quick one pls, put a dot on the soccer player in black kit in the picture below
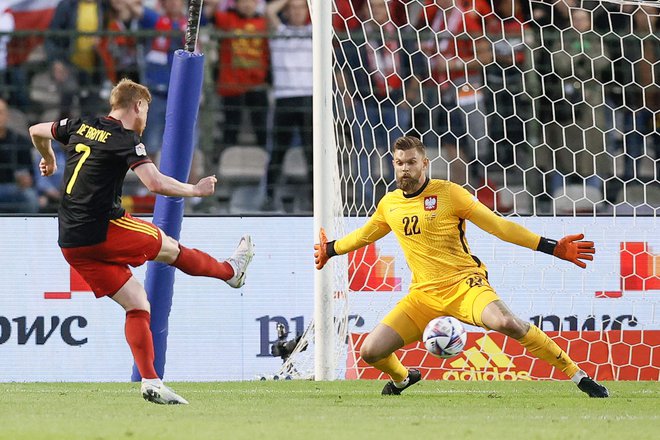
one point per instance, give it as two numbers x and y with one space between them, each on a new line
100 240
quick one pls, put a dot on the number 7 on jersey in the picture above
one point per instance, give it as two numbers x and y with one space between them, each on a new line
86 151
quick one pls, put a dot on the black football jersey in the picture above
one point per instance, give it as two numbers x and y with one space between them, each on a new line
99 153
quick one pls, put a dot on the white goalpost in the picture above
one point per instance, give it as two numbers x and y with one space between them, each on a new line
326 198
547 111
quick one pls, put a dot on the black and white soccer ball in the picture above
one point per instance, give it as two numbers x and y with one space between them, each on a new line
444 337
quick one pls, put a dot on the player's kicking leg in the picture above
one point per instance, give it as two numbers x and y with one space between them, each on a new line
198 263
154 390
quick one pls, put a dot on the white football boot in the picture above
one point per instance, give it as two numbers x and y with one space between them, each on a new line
154 390
240 260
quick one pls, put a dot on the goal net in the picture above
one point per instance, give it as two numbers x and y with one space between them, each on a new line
548 112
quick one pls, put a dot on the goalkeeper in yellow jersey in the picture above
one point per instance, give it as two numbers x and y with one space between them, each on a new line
428 218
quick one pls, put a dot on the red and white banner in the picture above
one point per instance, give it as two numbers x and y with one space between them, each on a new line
28 15
32 14
609 355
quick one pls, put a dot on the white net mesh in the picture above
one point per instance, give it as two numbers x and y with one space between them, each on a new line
541 108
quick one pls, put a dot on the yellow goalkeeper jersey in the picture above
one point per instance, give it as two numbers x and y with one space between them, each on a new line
430 227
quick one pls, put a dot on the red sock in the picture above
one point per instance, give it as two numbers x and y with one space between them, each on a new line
138 336
198 263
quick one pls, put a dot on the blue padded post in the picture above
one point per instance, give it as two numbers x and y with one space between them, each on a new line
176 157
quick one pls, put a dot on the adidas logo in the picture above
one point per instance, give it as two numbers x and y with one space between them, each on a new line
485 363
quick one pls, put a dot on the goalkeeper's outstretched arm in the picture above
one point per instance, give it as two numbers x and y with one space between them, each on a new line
370 232
569 248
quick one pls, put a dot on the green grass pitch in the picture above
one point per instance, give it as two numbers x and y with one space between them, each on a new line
331 410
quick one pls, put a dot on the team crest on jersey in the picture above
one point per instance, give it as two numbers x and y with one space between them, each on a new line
140 149
430 203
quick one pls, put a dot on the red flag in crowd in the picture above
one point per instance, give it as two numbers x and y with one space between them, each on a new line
28 15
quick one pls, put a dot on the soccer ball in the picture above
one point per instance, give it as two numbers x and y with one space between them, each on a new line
444 337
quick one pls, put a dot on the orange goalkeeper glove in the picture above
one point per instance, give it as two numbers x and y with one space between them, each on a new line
323 250
569 248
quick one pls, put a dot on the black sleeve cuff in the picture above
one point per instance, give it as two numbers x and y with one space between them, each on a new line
547 246
330 248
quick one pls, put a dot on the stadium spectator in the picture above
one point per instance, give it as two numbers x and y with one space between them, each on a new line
509 107
577 139
378 64
76 68
651 71
242 71
122 53
17 192
350 14
423 213
21 16
100 240
345 19
455 160
226 5
449 66
291 55
546 90
159 59
6 25
643 142
629 95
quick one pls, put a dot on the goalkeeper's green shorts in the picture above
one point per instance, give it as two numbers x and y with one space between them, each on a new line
465 301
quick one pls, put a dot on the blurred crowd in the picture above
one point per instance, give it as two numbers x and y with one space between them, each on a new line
511 96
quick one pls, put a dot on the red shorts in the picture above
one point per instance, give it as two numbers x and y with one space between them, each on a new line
104 266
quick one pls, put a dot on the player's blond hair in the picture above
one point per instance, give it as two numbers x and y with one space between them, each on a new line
408 143
127 93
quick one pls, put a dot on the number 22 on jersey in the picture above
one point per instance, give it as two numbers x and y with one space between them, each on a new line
86 151
411 225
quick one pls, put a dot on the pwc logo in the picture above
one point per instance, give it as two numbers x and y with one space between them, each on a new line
485 363
639 269
76 284
40 330
368 271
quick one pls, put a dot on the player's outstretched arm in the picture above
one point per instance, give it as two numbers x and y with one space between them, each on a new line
570 248
159 183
